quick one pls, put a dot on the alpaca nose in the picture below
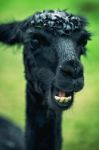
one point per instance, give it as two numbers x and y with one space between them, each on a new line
72 68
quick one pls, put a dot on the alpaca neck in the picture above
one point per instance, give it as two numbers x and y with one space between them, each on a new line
42 128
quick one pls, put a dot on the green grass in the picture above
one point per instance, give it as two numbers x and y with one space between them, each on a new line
80 123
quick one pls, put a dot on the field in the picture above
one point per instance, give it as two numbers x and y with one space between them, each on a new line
80 123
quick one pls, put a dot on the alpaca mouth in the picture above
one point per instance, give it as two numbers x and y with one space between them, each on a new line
63 99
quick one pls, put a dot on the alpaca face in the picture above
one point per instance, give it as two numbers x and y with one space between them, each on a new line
56 59
53 44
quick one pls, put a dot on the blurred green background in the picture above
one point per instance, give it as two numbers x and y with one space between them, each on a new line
80 123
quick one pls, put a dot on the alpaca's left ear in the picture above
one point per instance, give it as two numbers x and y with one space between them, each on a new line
11 33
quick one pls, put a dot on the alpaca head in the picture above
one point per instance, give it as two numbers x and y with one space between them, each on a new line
54 42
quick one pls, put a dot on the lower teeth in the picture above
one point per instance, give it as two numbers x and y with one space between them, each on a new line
62 99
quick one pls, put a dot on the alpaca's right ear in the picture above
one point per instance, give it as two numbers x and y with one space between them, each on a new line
11 33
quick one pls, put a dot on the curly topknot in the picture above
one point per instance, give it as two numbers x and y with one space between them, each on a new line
57 21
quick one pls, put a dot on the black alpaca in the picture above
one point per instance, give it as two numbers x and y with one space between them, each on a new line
54 42
11 136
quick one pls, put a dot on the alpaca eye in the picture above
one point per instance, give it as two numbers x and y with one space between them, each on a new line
83 39
35 43
82 42
40 39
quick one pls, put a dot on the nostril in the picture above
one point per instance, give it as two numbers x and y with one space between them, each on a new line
72 69
67 71
71 72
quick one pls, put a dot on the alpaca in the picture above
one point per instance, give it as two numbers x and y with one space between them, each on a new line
54 41
11 136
